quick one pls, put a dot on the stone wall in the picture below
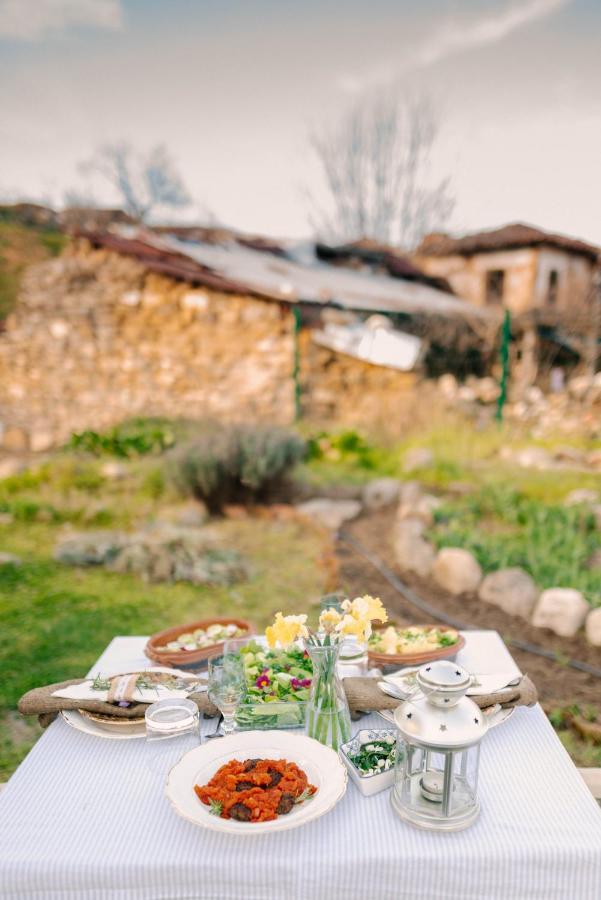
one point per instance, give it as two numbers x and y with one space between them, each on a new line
339 388
96 339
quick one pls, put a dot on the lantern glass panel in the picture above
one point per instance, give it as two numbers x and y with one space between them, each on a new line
436 788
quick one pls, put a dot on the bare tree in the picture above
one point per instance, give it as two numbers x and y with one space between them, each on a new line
376 167
144 182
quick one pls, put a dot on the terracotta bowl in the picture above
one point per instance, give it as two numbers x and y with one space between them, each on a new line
179 659
416 659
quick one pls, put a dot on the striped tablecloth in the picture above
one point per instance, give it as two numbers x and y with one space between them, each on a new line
86 819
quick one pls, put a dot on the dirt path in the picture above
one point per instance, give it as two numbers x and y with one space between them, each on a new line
558 685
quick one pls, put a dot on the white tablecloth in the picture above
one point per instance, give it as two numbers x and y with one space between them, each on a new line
86 819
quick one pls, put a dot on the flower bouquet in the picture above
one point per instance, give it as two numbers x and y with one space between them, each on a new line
328 717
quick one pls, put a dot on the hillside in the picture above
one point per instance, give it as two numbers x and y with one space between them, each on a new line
21 244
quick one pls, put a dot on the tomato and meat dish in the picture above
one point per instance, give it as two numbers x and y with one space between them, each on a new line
255 790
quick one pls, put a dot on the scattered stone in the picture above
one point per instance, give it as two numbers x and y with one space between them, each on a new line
423 508
410 493
381 492
457 570
412 551
467 394
8 559
512 590
534 395
579 386
11 466
331 514
563 610
113 470
6 518
448 386
534 458
161 553
418 458
592 627
581 497
90 548
487 390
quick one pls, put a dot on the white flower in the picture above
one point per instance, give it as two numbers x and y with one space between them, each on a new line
370 748
380 764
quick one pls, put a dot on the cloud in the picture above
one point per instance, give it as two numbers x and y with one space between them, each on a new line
454 38
33 20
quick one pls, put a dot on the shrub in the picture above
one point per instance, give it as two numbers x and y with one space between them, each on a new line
236 464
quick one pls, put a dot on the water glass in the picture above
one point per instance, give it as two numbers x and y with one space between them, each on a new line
226 688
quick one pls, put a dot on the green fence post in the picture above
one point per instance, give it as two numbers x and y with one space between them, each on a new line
504 354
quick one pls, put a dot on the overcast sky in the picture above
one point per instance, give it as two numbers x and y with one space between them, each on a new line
234 86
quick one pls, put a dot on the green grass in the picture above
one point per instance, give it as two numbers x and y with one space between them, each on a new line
462 454
56 620
503 527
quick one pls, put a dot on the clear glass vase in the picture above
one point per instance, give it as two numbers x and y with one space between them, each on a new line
328 716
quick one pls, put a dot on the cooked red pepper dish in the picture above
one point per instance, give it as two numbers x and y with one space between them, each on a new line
255 790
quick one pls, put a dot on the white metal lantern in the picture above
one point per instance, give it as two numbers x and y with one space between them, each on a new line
436 776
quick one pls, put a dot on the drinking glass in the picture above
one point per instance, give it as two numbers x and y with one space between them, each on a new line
226 688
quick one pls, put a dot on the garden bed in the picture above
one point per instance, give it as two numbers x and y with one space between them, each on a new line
557 684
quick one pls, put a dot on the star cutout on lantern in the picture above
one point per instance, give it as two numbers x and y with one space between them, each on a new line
409 715
458 673
477 721
443 727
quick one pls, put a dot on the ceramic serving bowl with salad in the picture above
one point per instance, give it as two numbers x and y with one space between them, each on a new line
370 758
188 645
401 645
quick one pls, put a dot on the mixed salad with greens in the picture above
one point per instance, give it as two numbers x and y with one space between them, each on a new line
278 684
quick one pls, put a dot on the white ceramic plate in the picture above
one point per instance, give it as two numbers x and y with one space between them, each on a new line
321 764
73 718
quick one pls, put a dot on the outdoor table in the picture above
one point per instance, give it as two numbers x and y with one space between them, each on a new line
87 819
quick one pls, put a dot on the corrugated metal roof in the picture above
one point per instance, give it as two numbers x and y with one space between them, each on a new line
235 268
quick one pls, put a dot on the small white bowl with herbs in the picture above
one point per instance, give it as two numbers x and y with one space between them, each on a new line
370 758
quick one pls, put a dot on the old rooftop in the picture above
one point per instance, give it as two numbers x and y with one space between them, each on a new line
509 237
291 273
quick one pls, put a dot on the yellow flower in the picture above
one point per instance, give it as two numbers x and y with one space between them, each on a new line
366 607
286 629
352 625
375 611
329 619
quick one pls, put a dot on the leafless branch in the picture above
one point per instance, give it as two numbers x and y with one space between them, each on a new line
375 165
144 182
